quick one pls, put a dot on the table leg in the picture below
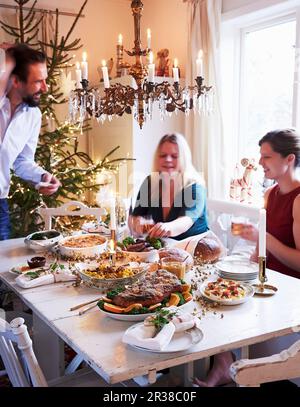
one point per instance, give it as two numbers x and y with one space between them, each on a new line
188 374
49 349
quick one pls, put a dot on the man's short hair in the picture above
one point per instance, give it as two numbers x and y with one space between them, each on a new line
25 56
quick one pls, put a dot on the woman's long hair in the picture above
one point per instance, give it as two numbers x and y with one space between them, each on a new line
189 173
186 176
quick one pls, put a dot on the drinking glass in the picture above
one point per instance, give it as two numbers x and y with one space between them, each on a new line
173 266
237 225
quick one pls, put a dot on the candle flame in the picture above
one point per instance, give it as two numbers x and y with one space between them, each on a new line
120 39
148 33
84 56
200 54
175 63
103 62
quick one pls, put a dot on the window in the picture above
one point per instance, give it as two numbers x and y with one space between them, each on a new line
260 72
267 81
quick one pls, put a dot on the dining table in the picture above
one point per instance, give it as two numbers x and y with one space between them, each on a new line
97 338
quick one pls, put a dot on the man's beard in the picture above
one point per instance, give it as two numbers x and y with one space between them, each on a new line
31 101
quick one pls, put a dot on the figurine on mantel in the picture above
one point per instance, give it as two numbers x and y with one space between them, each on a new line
162 68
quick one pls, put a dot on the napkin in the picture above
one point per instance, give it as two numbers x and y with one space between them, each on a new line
189 244
26 282
142 335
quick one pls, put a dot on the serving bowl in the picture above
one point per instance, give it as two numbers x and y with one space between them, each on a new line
44 240
139 269
149 257
82 246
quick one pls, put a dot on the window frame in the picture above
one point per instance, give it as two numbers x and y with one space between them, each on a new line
242 111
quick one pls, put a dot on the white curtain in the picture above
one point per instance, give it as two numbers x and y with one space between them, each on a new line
205 133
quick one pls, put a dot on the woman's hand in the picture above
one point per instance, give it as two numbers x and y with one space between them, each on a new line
160 230
249 232
136 224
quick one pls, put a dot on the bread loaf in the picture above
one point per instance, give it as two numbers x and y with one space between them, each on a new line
176 254
208 250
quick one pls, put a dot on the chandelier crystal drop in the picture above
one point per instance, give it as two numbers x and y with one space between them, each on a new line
117 99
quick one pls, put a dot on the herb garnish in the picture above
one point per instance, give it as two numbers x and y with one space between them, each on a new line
162 318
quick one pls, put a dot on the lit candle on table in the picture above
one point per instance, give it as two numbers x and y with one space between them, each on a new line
105 74
149 38
262 233
84 66
120 39
199 63
175 71
113 215
78 76
151 68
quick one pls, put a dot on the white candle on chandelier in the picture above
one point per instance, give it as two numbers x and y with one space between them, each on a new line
113 215
148 38
262 233
175 71
84 66
120 39
78 75
199 63
105 74
151 68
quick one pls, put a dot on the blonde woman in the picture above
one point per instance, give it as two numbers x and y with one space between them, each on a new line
173 195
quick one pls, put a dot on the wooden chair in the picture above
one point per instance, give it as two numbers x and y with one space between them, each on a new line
21 364
281 366
65 210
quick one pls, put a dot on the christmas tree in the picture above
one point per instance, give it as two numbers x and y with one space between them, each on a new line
57 149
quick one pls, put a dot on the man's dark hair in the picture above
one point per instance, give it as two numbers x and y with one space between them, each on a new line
25 56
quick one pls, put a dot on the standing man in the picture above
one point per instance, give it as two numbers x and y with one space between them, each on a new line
22 82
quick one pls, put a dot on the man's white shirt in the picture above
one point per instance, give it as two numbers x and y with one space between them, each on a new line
18 141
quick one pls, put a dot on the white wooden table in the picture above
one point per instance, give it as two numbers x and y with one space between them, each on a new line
98 338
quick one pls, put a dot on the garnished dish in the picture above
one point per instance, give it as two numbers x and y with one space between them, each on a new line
42 241
121 257
227 292
89 245
146 249
155 291
83 241
132 244
168 330
33 273
105 276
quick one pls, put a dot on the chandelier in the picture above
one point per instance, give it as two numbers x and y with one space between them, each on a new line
117 99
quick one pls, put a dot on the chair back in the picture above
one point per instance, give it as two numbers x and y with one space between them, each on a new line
220 214
22 370
65 210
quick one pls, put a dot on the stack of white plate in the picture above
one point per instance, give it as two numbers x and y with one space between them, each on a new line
237 268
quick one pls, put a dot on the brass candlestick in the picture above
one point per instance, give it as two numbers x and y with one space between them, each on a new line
112 253
120 50
262 271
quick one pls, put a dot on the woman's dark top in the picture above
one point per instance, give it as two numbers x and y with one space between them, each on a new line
280 225
190 201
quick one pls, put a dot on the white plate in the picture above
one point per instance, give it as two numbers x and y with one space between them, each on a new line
247 287
237 266
181 341
16 270
134 317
